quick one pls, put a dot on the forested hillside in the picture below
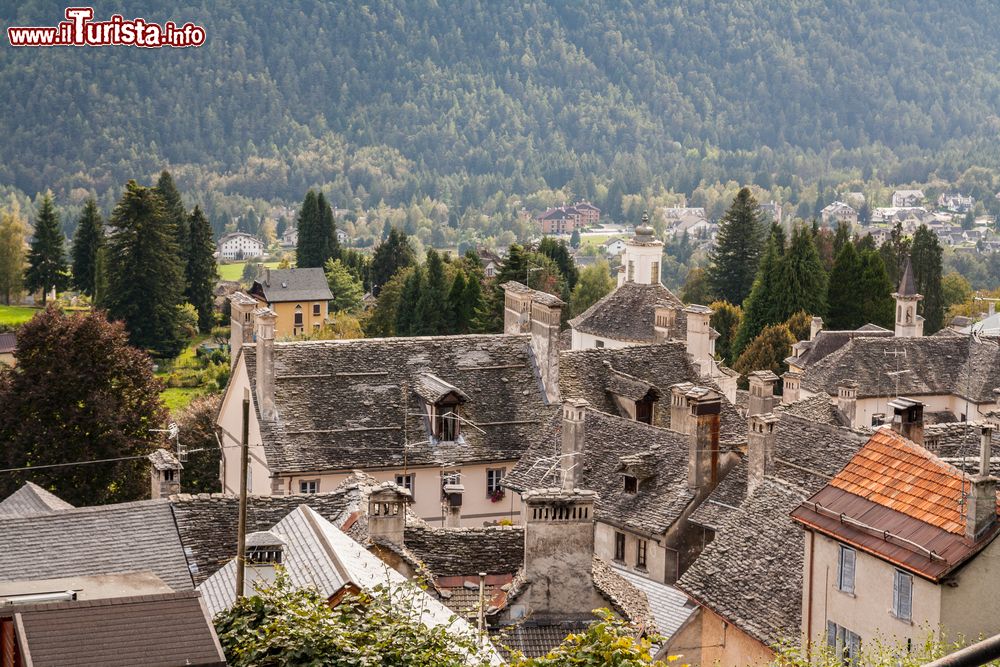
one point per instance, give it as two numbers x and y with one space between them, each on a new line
384 100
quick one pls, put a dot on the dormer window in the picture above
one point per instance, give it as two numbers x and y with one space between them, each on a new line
443 402
631 484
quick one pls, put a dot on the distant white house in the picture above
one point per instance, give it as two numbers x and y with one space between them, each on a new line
838 212
341 236
955 202
240 245
614 247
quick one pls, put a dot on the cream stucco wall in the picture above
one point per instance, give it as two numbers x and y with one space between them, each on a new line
868 611
725 645
7 359
586 341
971 607
656 552
866 407
477 507
285 324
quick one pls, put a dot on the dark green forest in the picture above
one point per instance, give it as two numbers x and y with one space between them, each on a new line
394 100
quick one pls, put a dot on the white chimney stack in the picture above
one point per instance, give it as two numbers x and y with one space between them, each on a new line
265 319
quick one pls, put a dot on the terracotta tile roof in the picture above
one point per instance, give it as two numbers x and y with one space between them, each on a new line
903 476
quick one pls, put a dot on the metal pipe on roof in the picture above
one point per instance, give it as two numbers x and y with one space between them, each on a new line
241 532
979 653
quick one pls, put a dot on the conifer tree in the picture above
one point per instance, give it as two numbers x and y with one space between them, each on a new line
310 243
894 251
761 307
459 314
734 260
558 252
327 230
393 254
201 269
145 284
175 214
47 266
878 306
926 257
802 277
432 307
845 301
473 298
86 244
406 312
489 319
841 238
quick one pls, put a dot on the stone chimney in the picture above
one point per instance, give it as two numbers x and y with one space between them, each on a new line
790 393
981 503
539 313
387 505
699 337
574 418
451 501
760 448
815 327
664 324
164 473
679 408
241 323
908 418
703 441
762 392
265 319
847 400
559 554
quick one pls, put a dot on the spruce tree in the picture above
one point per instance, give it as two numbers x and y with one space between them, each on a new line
310 243
473 298
406 311
841 237
432 307
489 319
201 270
845 301
878 305
458 313
894 251
86 244
47 266
327 230
145 285
926 257
761 307
175 214
734 260
393 254
802 278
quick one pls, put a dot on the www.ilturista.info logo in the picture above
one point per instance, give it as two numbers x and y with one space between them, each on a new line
80 30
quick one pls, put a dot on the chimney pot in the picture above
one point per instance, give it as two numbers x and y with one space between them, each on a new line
815 327
703 460
760 448
573 439
908 418
265 319
791 388
847 400
980 508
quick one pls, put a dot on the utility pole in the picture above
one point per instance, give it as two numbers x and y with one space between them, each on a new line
241 534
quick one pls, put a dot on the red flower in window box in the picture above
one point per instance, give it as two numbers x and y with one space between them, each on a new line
498 494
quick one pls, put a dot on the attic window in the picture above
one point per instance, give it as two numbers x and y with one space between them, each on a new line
446 420
631 484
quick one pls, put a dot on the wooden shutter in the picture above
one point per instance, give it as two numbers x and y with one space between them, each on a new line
903 594
831 634
846 575
854 647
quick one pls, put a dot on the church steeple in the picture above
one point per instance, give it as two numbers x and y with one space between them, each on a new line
641 259
908 323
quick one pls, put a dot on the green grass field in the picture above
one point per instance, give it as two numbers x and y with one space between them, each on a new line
16 314
178 398
235 270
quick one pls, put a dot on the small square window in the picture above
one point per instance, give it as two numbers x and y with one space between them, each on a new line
310 486
620 547
168 475
631 484
598 343
406 481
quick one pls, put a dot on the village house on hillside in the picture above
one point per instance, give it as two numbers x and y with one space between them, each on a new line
905 198
566 219
839 212
299 298
240 245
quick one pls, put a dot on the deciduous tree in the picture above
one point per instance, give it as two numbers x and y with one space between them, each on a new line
593 285
79 392
767 352
726 320
12 255
346 289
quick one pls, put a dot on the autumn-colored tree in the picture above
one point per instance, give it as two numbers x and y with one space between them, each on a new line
800 324
767 352
79 392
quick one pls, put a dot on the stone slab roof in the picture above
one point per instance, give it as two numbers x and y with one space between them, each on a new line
207 523
828 341
107 539
670 607
627 313
819 409
751 574
660 500
449 552
8 343
591 375
344 404
934 366
534 640
31 499
282 285
164 629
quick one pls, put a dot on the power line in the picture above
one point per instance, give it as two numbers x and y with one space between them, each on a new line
83 463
